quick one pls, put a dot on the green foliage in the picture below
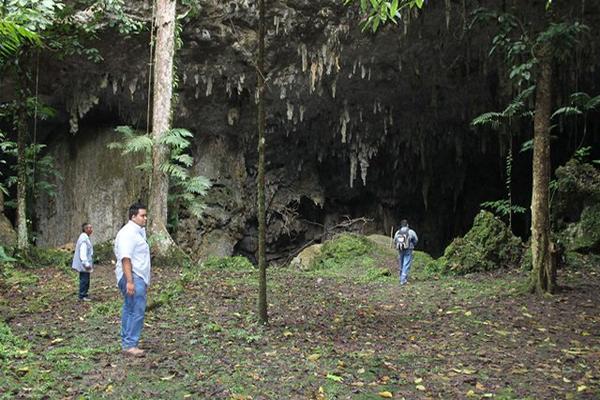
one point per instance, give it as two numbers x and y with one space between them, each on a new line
489 245
16 277
103 252
236 263
186 190
379 12
37 257
503 207
40 169
5 258
12 37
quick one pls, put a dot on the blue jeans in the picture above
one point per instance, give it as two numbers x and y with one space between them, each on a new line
84 284
405 259
134 307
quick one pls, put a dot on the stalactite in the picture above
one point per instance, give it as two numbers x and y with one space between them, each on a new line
132 87
448 14
344 120
209 85
353 167
425 183
290 111
302 109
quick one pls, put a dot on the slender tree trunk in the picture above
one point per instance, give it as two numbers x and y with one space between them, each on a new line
161 121
22 239
543 275
262 263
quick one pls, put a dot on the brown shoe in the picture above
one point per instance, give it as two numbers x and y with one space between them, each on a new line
134 352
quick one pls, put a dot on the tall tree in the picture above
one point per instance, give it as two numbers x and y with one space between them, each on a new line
21 125
544 269
161 121
262 220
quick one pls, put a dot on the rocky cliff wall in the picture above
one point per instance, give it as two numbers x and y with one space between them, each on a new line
359 125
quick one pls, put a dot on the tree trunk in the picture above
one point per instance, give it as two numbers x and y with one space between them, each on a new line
543 274
161 122
262 264
22 240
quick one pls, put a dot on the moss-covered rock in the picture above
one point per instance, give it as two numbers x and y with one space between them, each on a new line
487 246
584 236
343 251
306 257
578 187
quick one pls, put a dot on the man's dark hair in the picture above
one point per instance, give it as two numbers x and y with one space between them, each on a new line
135 208
403 223
84 225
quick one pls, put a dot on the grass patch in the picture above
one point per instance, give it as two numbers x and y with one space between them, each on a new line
237 263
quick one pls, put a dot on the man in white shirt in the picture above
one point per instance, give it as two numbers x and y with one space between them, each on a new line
133 277
83 260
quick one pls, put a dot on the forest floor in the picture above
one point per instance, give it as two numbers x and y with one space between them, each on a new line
333 335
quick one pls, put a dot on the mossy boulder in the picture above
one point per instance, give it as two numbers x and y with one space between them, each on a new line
489 245
306 257
344 250
584 236
578 187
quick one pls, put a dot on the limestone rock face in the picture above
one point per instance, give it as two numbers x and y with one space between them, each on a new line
97 186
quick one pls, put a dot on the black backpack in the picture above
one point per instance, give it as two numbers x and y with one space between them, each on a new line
402 241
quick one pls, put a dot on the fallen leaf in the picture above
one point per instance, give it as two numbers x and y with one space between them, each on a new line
167 378
420 387
57 340
386 395
418 380
335 378
313 357
471 393
581 388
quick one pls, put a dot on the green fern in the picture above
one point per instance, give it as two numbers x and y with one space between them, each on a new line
186 191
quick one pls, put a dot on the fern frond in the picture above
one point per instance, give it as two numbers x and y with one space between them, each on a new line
593 103
184 159
176 138
489 118
526 93
198 185
174 171
567 111
579 99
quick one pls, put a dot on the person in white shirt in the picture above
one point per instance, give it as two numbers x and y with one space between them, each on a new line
133 277
83 260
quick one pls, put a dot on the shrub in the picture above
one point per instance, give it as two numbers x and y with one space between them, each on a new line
231 263
44 257
103 252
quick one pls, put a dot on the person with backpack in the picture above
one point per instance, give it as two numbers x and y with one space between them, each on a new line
405 241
